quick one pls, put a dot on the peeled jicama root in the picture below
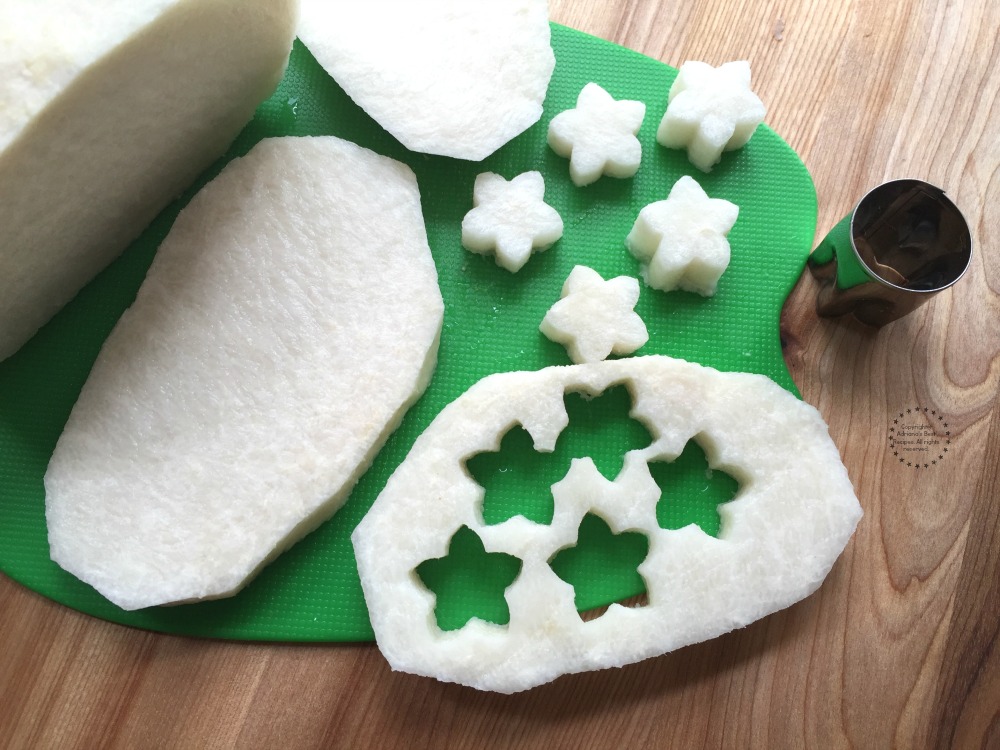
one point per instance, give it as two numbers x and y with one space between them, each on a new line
108 110
287 322
780 535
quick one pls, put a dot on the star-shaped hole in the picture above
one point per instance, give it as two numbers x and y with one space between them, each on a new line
517 479
681 241
710 110
469 582
598 136
601 559
691 491
595 318
510 219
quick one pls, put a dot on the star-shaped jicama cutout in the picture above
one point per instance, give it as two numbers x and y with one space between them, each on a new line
681 241
594 317
710 110
598 136
510 219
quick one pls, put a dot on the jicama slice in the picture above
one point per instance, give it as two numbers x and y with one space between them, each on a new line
288 320
793 514
446 77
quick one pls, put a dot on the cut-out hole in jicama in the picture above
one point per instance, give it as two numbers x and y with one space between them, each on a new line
517 479
691 491
469 582
600 556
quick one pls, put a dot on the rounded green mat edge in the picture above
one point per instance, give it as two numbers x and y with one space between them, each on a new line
312 592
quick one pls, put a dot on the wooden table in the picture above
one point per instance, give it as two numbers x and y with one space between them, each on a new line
898 648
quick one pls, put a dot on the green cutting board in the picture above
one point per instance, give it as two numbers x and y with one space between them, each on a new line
312 592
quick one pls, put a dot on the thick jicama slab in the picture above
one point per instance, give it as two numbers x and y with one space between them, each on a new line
445 77
108 110
780 535
289 319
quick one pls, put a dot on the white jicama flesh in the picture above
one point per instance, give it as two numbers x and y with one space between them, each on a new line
682 240
598 136
287 322
780 535
595 318
108 110
510 219
710 110
445 77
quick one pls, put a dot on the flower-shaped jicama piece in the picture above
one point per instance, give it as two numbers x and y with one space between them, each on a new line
510 219
682 240
710 110
598 136
594 317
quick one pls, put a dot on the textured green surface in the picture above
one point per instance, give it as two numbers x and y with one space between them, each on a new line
312 592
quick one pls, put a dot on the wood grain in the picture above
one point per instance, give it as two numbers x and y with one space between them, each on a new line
899 646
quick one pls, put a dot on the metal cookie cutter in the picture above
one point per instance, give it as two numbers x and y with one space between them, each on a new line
903 243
